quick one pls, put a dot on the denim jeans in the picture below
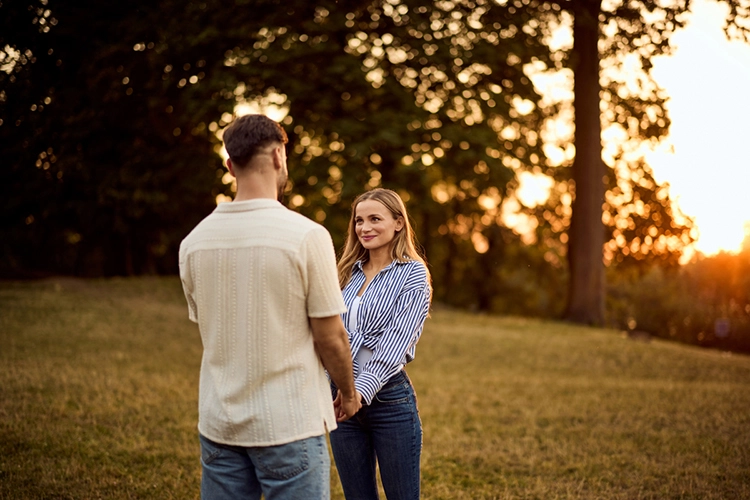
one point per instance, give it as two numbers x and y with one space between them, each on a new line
387 431
300 469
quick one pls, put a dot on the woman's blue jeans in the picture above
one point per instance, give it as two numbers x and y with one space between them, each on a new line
387 431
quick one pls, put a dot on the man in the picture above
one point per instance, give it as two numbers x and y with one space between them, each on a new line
261 283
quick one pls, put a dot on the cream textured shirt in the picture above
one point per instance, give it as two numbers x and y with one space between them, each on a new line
253 272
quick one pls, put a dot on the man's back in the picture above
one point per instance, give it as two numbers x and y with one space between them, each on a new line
253 273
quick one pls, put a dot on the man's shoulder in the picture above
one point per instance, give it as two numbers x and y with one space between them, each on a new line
300 227
280 226
195 233
297 218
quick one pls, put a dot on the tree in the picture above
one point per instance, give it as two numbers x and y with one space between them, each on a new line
643 227
608 37
107 164
111 113
586 238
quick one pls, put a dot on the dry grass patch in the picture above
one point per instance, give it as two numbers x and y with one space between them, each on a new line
516 408
98 399
98 388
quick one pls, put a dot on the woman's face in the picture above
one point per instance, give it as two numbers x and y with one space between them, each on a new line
375 225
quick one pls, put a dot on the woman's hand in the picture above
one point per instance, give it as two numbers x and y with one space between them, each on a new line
345 407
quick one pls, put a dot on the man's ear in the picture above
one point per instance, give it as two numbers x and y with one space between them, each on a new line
230 167
278 158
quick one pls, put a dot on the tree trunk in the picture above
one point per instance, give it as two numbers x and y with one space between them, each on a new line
586 288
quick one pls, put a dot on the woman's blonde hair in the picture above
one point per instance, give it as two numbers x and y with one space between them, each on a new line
403 248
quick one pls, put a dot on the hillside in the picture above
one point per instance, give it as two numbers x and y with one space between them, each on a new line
98 399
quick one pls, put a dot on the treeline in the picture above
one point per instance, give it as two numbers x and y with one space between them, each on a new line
109 114
705 302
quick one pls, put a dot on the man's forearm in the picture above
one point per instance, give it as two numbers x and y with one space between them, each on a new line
332 345
337 359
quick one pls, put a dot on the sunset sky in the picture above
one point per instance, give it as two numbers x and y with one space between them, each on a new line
708 80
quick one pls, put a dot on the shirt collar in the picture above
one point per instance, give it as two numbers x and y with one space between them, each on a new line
248 205
359 263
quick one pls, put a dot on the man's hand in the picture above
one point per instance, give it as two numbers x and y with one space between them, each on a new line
346 407
332 345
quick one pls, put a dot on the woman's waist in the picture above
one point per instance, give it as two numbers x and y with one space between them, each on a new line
399 378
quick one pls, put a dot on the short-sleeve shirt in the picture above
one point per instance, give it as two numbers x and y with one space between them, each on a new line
253 273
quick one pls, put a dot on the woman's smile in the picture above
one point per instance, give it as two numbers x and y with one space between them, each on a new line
375 225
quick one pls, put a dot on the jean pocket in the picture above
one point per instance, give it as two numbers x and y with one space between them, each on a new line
209 451
395 394
283 461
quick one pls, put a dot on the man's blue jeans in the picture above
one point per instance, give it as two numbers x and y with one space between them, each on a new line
300 469
387 431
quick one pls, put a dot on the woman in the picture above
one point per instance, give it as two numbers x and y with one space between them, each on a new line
386 287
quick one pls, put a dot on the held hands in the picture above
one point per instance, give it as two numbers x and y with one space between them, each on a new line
346 407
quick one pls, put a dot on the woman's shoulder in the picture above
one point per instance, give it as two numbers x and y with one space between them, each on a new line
415 269
407 263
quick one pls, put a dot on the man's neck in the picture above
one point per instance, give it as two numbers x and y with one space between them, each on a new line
243 196
256 186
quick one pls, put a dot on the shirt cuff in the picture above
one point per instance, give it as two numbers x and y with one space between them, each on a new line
368 385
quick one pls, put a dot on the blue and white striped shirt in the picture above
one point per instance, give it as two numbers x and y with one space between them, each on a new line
390 318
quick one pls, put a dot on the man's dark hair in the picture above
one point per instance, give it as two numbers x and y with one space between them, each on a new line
248 134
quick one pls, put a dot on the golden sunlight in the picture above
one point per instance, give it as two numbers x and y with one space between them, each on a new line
706 159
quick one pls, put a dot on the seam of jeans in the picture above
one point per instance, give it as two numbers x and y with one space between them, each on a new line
211 456
416 447
403 386
393 401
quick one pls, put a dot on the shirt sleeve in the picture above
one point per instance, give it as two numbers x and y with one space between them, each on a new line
398 340
323 293
187 287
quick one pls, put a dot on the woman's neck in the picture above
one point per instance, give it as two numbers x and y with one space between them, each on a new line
379 259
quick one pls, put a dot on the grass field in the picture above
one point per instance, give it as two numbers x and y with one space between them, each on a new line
98 399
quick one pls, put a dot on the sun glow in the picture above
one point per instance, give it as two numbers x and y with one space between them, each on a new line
706 159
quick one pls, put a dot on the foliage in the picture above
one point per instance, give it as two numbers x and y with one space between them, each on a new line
109 115
644 227
706 302
510 277
98 176
609 62
99 384
111 112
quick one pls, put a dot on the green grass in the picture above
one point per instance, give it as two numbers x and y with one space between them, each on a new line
98 399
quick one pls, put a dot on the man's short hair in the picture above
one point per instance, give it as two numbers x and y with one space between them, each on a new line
248 135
